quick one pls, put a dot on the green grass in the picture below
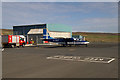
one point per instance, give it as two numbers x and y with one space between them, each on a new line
6 31
99 37
92 37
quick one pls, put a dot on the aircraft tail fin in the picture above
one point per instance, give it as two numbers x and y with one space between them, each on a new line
46 34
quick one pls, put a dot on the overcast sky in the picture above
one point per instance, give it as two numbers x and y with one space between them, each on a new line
81 16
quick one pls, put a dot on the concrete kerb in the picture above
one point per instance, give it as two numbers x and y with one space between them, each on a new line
39 45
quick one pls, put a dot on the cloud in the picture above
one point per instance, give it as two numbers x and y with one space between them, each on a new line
60 0
99 25
65 6
82 16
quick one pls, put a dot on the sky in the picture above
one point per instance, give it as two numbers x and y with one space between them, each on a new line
60 0
81 16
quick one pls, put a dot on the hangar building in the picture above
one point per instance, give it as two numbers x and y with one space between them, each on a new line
35 31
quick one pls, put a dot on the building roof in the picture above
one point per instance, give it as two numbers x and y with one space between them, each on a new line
51 27
28 25
59 27
35 31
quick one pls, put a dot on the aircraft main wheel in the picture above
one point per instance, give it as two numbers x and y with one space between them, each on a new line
86 45
63 45
69 45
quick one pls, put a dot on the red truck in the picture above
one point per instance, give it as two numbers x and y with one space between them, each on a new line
12 41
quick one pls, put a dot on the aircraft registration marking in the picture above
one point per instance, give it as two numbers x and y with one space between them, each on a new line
83 58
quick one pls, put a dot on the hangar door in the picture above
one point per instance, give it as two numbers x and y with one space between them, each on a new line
36 38
60 34
35 35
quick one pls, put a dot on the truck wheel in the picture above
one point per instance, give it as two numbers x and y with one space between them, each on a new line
23 45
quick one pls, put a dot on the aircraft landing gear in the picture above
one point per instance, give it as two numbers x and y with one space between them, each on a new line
86 45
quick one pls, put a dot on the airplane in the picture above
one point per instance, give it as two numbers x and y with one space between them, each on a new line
63 41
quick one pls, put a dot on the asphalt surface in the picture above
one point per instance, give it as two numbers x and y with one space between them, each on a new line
31 62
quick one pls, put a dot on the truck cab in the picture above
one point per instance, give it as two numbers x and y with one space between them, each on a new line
22 41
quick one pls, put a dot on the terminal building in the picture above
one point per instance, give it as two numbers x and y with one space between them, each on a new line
34 32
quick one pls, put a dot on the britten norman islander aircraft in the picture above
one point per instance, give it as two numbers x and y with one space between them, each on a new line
63 41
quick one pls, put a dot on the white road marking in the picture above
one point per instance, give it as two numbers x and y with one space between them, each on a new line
83 58
2 49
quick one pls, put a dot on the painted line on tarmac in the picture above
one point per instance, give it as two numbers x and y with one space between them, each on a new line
83 59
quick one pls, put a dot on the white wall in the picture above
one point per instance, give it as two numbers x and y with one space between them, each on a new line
60 34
